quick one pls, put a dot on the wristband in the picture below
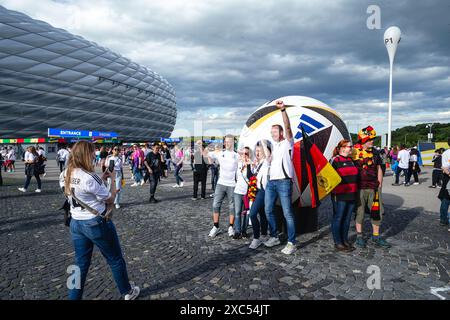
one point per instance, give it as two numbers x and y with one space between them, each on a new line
283 110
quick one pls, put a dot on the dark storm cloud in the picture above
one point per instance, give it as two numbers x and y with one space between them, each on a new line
235 55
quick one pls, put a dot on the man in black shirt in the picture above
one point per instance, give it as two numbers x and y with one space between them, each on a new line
153 162
200 169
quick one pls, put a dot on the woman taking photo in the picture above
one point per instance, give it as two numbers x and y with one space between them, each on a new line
344 195
88 195
118 172
31 158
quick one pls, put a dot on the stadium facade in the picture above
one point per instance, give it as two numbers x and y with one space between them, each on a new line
53 79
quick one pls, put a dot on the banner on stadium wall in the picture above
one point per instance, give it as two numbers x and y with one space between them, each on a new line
171 140
69 133
24 140
427 150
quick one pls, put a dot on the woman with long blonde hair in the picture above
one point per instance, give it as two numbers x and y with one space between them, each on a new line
88 195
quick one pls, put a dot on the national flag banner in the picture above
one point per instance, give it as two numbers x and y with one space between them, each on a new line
314 168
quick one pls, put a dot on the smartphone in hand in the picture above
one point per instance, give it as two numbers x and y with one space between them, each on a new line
111 166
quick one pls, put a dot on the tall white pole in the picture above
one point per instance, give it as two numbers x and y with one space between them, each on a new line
392 38
389 139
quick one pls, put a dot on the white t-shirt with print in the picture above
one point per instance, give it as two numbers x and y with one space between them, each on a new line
90 189
261 177
281 166
228 161
241 177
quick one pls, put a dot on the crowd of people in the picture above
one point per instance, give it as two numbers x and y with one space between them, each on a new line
251 180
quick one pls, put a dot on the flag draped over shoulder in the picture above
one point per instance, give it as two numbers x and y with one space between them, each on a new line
312 167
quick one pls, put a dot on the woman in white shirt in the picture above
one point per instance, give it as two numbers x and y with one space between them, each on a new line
118 171
243 174
88 195
31 170
260 169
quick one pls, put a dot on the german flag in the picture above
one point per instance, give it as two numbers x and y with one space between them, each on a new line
315 169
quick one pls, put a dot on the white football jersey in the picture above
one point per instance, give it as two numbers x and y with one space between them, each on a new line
90 189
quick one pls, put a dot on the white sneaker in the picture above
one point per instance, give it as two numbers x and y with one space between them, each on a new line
214 232
255 244
117 206
22 189
272 242
142 182
289 249
211 195
181 184
133 294
38 190
175 186
230 231
134 185
416 183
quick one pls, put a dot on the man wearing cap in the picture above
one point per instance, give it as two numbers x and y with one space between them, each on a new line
368 161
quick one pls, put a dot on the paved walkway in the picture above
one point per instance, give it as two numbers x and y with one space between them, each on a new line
171 257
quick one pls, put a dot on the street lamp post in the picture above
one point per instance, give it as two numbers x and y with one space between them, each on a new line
405 138
392 38
430 125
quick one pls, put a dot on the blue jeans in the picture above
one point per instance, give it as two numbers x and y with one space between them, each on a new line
178 178
96 231
282 189
340 224
258 207
445 215
240 222
137 174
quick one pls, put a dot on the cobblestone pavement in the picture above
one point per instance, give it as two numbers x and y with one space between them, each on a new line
170 256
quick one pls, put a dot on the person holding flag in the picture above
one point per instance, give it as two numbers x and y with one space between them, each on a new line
368 161
280 183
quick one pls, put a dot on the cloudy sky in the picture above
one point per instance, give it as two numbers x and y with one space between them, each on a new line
225 58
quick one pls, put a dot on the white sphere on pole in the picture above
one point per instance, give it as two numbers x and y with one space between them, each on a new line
392 37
